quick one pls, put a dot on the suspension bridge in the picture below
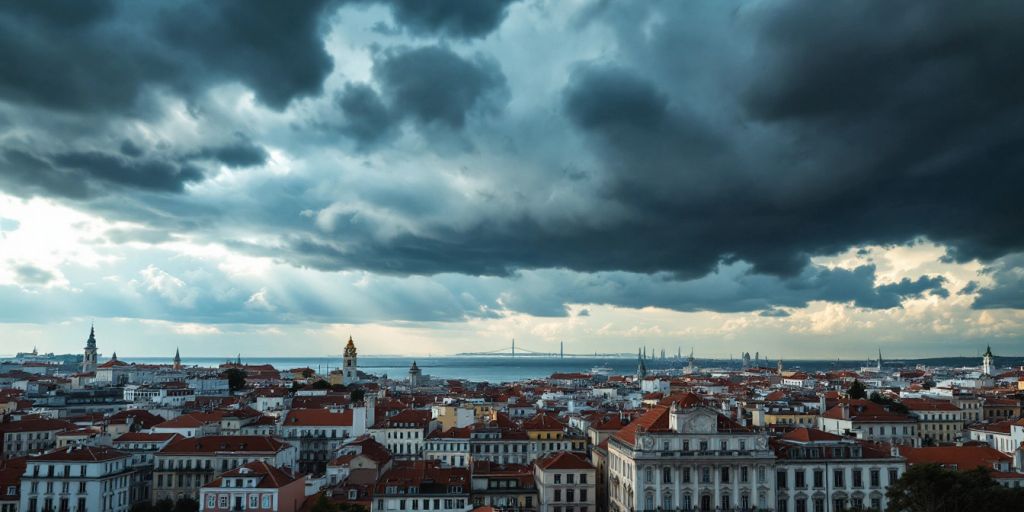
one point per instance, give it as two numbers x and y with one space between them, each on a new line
520 351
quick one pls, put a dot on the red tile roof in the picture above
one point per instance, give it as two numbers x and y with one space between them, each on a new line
317 418
961 458
563 460
81 454
271 477
224 444
809 435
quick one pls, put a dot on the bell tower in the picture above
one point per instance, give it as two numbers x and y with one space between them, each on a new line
89 359
350 373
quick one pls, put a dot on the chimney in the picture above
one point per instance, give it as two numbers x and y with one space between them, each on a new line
844 407
821 404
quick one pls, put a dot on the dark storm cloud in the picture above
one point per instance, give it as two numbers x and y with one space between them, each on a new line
98 55
140 173
27 175
1007 290
241 152
453 18
434 85
367 119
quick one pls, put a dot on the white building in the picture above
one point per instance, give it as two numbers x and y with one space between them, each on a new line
689 456
77 479
817 472
565 482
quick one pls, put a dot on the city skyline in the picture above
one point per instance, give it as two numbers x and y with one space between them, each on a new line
723 176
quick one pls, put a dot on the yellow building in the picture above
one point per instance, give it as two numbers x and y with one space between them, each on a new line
544 426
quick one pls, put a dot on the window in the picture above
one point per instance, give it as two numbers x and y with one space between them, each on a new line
570 478
583 495
558 478
583 478
666 502
558 495
648 475
780 479
837 478
725 475
875 478
254 501
798 479
266 501
858 478
666 475
686 475
819 504
893 476
211 501
801 505
686 446
705 474
649 502
570 495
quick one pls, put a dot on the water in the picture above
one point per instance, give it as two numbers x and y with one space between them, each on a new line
508 369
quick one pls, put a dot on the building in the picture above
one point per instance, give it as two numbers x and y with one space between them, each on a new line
450 446
349 369
415 376
176 363
422 485
404 433
987 367
319 433
255 486
817 471
966 458
938 421
869 421
10 483
566 482
89 358
183 466
360 455
141 448
686 455
29 437
77 479
504 487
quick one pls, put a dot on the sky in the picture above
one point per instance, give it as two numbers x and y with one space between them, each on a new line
796 178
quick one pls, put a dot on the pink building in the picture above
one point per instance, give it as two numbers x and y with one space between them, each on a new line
256 486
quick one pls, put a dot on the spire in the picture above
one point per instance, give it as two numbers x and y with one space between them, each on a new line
113 357
239 360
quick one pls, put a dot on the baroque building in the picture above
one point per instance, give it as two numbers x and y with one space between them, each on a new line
350 373
688 456
89 358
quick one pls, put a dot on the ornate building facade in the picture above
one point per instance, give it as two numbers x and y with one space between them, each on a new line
350 372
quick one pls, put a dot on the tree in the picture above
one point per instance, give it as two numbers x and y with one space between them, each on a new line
931 488
322 504
186 505
889 403
358 394
236 379
857 390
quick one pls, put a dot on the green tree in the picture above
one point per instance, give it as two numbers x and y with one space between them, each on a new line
322 504
891 404
164 505
186 505
236 379
857 390
358 394
931 488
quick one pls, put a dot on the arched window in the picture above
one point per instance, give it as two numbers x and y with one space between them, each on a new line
666 502
649 502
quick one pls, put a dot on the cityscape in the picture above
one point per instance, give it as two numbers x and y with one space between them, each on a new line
511 256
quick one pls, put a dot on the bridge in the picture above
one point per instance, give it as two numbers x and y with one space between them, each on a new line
514 351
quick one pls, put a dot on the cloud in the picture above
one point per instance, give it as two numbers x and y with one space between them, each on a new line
1007 289
241 152
434 85
453 18
367 119
33 275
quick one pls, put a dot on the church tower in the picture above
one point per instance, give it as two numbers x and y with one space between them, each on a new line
177 359
350 375
641 368
89 359
986 362
415 376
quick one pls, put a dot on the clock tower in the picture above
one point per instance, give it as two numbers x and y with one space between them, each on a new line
350 375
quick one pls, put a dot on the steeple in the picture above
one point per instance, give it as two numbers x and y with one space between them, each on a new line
89 357
177 359
879 358
349 372
113 357
987 361
238 361
641 368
